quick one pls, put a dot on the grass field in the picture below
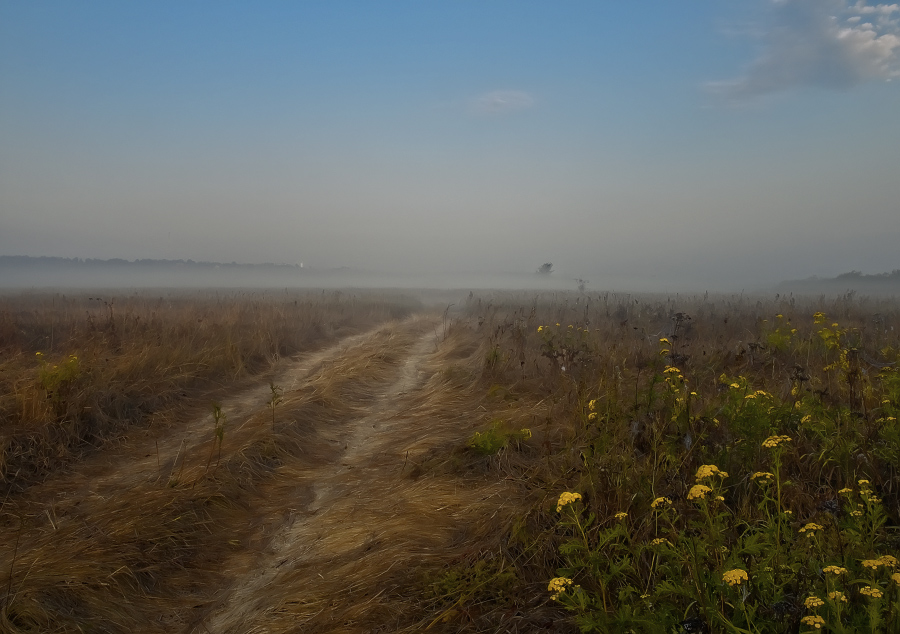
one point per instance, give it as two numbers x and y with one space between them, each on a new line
373 462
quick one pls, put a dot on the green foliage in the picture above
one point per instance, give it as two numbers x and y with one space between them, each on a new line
56 379
496 437
749 489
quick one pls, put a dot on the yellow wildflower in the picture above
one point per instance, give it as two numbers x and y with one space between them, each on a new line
621 515
672 370
540 328
526 433
874 564
862 483
764 475
813 602
664 340
779 316
660 541
815 620
709 470
592 416
698 491
845 491
658 502
566 498
735 577
592 404
837 595
557 586
889 560
834 570
818 317
869 591
896 578
773 441
735 386
812 527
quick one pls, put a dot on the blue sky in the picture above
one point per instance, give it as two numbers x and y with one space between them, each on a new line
716 144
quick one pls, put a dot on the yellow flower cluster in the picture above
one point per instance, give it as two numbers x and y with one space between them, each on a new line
845 491
837 595
819 318
557 586
869 591
874 564
834 570
735 577
698 491
665 340
896 578
566 498
814 620
773 441
885 560
660 541
708 471
866 492
621 515
658 502
526 433
765 475
811 528
813 602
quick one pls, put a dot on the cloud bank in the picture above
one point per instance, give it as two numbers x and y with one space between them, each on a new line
821 43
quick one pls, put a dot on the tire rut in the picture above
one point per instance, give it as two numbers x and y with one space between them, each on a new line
302 537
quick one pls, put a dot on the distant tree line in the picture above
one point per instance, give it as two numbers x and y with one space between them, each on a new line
25 261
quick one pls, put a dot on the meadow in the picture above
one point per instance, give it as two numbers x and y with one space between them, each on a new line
516 462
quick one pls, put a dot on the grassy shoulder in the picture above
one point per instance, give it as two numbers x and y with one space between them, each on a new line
699 464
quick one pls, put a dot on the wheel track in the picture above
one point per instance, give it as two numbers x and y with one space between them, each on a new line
299 539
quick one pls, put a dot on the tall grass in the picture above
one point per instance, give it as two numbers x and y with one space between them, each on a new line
76 371
725 451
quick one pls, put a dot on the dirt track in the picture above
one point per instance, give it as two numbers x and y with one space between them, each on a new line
306 536
305 527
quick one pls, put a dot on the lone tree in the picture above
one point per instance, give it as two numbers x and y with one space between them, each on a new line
546 268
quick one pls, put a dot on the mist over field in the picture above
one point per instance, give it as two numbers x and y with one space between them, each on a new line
719 146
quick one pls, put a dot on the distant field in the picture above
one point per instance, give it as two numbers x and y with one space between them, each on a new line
461 462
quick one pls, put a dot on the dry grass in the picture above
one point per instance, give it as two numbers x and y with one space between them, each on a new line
138 358
365 509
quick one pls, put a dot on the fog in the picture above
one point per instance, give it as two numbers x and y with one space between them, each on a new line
719 146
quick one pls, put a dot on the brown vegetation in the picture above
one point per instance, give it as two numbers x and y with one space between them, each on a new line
373 505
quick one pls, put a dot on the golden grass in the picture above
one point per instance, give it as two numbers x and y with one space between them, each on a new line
141 357
364 510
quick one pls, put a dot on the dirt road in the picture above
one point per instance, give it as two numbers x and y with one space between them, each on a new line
310 524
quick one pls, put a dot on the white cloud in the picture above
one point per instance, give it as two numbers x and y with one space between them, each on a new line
500 102
820 43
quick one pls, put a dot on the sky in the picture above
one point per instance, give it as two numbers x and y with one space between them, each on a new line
717 144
